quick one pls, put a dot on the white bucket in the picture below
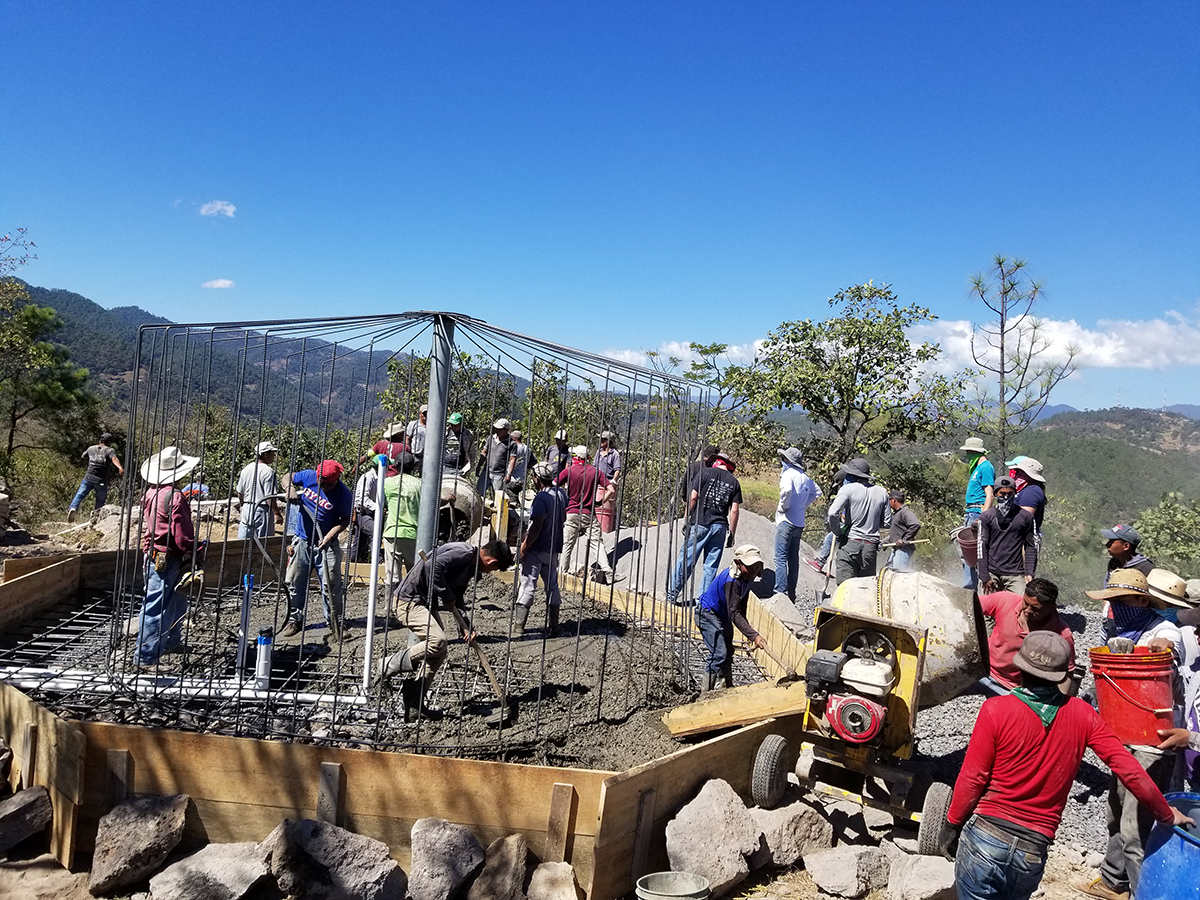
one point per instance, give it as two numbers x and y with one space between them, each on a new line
672 886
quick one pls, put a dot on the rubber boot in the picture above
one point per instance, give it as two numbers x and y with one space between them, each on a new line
727 674
553 614
430 712
708 681
520 616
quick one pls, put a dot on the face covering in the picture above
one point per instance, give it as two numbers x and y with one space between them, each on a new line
1130 621
1006 505
1020 479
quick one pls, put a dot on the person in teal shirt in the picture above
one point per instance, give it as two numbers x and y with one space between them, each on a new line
980 481
402 501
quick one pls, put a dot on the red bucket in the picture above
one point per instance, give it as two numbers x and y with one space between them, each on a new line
1133 691
968 543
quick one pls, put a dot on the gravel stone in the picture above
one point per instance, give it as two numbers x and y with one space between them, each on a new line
712 836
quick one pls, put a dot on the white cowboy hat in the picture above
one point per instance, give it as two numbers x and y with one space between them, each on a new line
167 466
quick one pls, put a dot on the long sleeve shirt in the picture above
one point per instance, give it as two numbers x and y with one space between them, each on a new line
905 526
797 492
727 596
167 522
445 574
1006 547
866 508
1019 770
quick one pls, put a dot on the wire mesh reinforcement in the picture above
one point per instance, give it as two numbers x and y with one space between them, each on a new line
325 390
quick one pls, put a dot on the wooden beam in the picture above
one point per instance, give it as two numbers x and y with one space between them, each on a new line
119 780
558 825
63 827
58 754
15 568
29 740
30 595
737 706
330 793
643 834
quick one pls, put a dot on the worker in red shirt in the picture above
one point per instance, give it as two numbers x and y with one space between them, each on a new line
1016 616
1021 761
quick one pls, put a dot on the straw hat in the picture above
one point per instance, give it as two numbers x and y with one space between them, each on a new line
1168 587
973 445
1127 583
167 466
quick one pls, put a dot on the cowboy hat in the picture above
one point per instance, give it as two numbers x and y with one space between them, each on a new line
973 445
1168 587
1126 583
167 466
390 433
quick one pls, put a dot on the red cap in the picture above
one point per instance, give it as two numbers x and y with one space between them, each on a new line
330 468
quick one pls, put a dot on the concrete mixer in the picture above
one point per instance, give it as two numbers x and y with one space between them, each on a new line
883 647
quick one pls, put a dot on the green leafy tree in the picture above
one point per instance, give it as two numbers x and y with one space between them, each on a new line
1171 533
1011 349
863 385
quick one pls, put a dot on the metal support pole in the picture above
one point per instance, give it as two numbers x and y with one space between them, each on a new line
435 433
373 588
244 625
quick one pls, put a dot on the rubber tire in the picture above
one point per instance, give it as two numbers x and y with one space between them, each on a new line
769 781
933 819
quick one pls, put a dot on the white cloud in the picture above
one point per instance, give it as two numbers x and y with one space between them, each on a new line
219 283
218 208
735 353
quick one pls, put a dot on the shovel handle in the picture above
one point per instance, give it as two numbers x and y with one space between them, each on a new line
487 666
787 670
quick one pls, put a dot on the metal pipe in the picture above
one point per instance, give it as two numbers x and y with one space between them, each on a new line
435 433
244 624
373 587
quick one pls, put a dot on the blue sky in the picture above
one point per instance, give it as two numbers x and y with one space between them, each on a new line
620 176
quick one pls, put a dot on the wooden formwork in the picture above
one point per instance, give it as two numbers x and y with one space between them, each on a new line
608 825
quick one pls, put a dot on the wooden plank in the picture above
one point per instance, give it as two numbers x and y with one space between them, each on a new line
642 836
15 568
330 793
558 824
28 754
30 595
60 746
119 777
398 785
737 706
63 828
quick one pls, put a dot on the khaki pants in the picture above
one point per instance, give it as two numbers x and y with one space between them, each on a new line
583 525
426 625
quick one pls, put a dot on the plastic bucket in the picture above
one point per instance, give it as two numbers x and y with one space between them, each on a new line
1171 870
1133 691
672 886
607 517
968 543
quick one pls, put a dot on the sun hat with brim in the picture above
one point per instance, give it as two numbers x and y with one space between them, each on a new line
167 466
1030 467
1193 591
857 468
1168 587
747 555
393 431
1126 583
973 445
1044 655
792 455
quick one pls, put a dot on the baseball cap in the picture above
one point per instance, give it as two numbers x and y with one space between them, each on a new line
747 555
1122 532
1044 655
330 468
560 435
502 424
265 447
518 435
455 419
423 408
725 461
106 437
545 471
1006 483
579 450
606 435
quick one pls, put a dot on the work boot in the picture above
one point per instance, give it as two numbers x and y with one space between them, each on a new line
1097 888
396 664
727 674
599 576
708 682
337 630
415 692
291 628
520 616
71 514
552 612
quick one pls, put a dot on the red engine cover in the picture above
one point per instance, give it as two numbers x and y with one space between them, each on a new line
855 719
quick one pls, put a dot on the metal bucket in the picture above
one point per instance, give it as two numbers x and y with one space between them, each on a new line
956 649
672 886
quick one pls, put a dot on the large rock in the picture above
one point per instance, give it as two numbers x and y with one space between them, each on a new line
791 831
133 841
503 870
217 872
23 815
314 860
848 871
444 858
849 822
554 881
712 836
921 878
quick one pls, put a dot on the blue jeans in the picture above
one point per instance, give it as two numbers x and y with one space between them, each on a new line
787 557
970 576
718 638
989 868
328 564
826 549
85 488
901 560
160 625
706 540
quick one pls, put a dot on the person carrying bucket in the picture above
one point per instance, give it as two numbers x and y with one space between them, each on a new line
981 476
1187 738
1132 623
1021 762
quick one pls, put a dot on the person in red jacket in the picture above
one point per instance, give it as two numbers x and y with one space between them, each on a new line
1016 616
1021 761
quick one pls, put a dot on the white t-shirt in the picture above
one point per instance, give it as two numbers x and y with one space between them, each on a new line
257 480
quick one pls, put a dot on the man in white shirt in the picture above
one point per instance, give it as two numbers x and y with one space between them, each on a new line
256 481
797 492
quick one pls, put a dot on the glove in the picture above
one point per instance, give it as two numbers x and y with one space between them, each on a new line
729 540
948 840
1120 645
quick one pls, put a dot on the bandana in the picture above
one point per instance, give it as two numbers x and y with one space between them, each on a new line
1128 621
1005 506
1045 700
1021 480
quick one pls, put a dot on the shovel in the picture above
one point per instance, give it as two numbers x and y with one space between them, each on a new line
789 674
507 710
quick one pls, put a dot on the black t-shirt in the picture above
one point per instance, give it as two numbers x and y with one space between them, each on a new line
718 490
97 462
